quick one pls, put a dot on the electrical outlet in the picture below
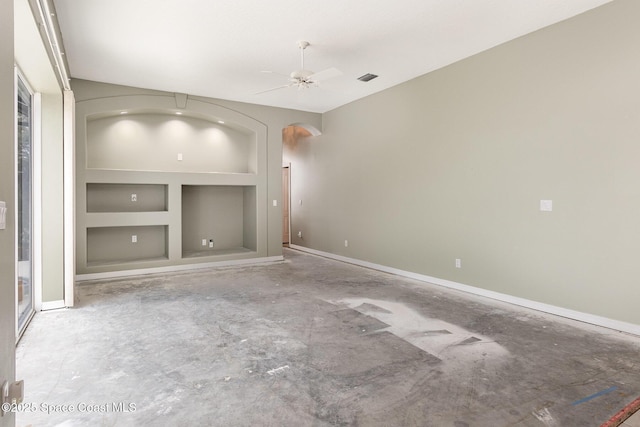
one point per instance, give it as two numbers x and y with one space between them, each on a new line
210 243
275 203
204 242
546 205
179 157
346 243
300 234
458 263
134 197
134 238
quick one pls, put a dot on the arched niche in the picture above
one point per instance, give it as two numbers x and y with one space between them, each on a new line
148 133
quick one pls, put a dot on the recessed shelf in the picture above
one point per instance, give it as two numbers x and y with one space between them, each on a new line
126 197
155 142
114 245
218 219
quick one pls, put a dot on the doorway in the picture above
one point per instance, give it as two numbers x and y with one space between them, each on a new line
293 138
286 205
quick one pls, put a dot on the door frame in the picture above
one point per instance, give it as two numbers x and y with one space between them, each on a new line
36 196
7 189
288 199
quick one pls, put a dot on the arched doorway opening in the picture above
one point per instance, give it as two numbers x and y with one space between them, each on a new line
292 135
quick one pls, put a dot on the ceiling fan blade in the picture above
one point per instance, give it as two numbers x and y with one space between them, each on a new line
325 74
273 88
274 72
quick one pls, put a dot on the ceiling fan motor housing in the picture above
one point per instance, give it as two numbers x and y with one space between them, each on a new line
301 74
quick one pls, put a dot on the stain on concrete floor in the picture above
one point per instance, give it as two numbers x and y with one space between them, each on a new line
314 342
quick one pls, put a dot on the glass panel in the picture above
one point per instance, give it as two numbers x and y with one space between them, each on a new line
25 226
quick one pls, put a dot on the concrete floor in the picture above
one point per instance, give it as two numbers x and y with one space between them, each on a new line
314 342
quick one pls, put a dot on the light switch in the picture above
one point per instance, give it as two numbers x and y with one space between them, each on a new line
134 238
546 205
179 157
134 197
3 215
275 203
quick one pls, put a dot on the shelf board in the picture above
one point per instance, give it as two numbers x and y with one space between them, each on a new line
215 252
126 219
118 176
124 261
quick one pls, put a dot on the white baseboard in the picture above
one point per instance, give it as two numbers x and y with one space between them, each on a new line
52 305
546 308
174 268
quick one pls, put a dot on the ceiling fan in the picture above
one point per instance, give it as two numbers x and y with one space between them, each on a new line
304 79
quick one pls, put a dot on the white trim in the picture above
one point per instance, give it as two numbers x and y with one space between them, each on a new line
37 201
49 28
16 312
535 305
288 201
174 268
52 305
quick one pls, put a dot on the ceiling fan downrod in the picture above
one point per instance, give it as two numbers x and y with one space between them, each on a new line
302 45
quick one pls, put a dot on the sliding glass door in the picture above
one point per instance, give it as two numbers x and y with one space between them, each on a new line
24 169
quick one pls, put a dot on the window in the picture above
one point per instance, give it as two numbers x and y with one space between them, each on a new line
24 169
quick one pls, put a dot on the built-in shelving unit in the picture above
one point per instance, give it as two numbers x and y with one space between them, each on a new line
156 188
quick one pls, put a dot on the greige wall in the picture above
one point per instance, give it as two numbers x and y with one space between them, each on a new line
454 164
52 198
7 194
249 224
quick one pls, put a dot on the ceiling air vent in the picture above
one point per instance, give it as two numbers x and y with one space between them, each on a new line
367 77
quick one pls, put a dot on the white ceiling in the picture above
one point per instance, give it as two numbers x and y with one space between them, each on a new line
219 48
